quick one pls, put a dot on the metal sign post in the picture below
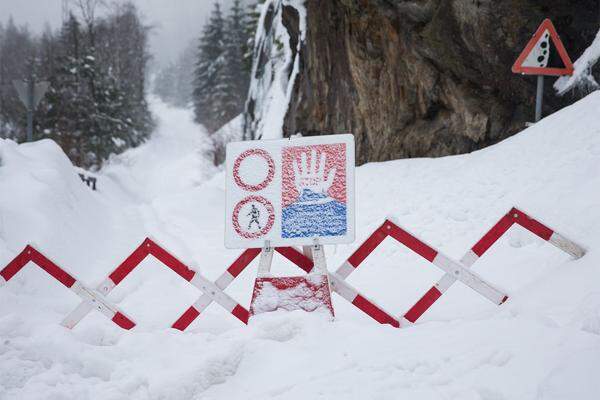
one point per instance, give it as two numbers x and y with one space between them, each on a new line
539 97
30 93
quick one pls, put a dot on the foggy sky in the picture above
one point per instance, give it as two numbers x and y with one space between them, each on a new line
176 22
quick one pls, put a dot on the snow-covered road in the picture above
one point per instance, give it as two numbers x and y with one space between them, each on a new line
543 344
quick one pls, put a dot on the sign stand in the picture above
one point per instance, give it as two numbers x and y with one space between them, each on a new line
285 193
266 259
308 293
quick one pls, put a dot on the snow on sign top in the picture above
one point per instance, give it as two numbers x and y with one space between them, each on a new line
544 54
290 191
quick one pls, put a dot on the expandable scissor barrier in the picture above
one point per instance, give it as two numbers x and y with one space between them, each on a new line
514 216
214 291
149 247
91 298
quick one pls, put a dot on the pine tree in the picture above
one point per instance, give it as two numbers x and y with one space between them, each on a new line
209 83
236 77
92 112
68 98
251 25
222 72
17 50
96 104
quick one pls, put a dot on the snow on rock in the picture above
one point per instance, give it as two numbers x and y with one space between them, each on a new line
275 68
582 74
542 344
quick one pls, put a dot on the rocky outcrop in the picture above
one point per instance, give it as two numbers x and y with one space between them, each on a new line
421 78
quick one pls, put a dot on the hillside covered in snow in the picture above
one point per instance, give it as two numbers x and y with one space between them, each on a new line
544 343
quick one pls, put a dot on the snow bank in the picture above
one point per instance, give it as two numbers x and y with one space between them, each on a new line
544 343
43 201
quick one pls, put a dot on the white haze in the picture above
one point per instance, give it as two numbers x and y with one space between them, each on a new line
175 22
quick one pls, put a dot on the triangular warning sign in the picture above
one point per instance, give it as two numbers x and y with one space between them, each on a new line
544 54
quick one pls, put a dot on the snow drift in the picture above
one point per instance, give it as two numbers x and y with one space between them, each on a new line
544 343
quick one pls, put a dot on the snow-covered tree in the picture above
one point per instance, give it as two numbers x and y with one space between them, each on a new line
96 102
17 50
236 76
209 73
222 73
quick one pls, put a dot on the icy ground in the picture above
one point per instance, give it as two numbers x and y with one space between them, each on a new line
544 343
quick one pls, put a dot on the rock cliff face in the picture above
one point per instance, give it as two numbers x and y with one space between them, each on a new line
421 78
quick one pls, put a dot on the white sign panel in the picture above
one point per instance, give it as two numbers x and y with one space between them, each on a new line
290 191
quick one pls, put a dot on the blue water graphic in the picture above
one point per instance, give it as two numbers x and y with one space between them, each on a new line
314 215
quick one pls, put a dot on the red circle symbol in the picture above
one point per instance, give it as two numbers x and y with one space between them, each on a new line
270 173
270 220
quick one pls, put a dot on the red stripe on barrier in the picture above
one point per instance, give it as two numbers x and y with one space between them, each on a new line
123 321
410 241
375 312
132 261
242 261
170 261
423 304
531 224
241 313
493 234
296 257
186 319
54 270
15 265
367 247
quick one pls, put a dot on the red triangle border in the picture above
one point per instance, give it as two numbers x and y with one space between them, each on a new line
518 67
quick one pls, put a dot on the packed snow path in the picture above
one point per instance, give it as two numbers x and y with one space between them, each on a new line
543 344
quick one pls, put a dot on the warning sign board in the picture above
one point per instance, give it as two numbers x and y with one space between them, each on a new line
545 54
290 191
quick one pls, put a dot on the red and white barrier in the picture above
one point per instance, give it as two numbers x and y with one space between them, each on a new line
338 285
451 267
344 289
90 298
149 247
214 291
514 216
232 272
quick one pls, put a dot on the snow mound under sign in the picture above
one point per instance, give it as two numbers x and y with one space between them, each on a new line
544 343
